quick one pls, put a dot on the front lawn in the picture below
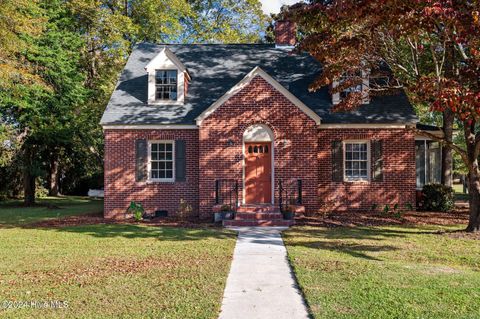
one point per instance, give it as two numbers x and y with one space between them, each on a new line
13 214
386 272
108 270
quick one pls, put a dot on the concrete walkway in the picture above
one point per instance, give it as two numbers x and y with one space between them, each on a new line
261 283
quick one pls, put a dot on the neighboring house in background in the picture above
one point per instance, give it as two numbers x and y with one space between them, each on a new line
195 121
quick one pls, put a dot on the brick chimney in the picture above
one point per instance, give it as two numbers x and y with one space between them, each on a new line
285 33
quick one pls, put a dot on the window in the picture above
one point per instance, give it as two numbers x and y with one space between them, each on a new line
428 156
352 89
358 82
161 161
166 85
356 161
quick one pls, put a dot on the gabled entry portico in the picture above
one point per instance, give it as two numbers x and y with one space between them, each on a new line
258 137
258 165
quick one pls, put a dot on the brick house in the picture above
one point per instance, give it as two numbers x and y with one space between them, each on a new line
208 123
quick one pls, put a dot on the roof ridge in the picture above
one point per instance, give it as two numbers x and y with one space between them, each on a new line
208 44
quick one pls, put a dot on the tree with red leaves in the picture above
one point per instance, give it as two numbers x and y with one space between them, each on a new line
429 48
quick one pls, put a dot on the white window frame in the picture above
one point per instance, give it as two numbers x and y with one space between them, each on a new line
166 60
369 161
149 165
166 101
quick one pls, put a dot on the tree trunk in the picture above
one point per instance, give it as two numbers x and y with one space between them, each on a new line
53 176
474 220
28 179
448 119
447 154
473 177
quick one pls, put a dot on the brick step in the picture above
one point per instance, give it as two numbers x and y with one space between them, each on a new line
258 209
261 223
258 216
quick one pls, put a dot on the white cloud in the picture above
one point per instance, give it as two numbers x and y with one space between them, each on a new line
273 6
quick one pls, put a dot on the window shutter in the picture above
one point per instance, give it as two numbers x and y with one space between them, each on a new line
180 161
141 158
377 160
337 161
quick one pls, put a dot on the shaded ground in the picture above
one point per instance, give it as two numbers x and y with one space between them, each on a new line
403 271
13 213
419 218
97 218
353 218
63 250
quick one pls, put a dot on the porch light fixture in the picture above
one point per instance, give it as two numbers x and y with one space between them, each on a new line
230 142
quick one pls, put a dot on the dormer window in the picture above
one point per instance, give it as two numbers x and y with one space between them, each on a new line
167 79
166 82
352 89
362 87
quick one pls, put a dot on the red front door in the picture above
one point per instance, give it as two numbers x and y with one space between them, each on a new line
258 173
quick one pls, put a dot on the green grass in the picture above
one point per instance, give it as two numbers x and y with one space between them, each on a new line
458 188
386 272
459 195
13 214
110 271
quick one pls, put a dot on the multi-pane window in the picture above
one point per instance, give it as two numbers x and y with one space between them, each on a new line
356 161
161 161
166 85
354 88
428 162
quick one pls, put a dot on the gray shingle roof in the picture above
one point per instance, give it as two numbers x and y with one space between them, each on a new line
215 68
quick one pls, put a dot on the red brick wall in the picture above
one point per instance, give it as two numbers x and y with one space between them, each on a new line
295 149
285 32
301 151
120 184
398 184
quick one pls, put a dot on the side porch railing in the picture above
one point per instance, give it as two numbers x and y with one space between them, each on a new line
226 193
289 193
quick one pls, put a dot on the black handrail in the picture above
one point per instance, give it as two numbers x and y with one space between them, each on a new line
226 193
289 193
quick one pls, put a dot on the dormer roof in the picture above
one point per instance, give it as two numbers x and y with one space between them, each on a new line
166 55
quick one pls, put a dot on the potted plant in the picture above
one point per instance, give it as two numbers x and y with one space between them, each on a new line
289 213
227 212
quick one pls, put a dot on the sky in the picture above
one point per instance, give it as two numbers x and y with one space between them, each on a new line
273 6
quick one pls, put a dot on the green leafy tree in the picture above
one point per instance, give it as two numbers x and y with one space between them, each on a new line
46 113
225 21
18 19
60 60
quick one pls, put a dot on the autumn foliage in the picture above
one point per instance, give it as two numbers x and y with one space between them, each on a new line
430 49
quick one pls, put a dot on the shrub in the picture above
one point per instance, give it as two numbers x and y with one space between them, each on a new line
137 210
386 209
438 197
184 209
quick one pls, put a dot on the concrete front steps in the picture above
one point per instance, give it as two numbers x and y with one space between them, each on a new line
258 215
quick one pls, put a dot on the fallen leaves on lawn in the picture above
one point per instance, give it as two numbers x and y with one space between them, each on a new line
355 218
97 218
95 271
